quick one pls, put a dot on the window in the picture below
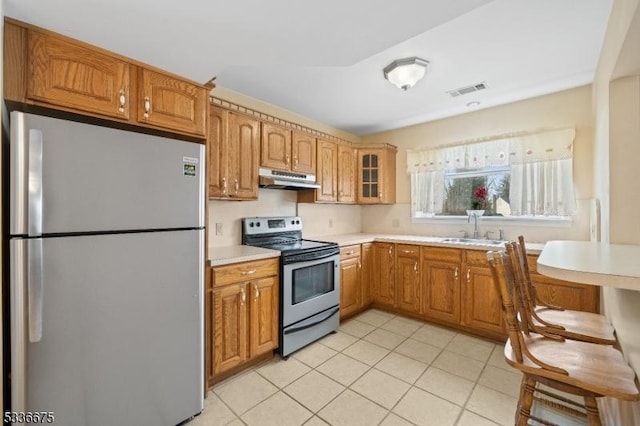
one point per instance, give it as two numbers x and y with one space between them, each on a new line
525 176
481 189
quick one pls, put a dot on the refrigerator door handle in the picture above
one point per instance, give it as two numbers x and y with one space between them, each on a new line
35 182
35 289
19 277
19 171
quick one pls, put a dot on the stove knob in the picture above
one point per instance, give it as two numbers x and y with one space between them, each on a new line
293 222
297 222
250 224
258 224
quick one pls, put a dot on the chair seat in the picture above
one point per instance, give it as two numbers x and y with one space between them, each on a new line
585 326
600 369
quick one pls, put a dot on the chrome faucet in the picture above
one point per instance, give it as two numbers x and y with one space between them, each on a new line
475 223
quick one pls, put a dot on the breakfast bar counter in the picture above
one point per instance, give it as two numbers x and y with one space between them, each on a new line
607 265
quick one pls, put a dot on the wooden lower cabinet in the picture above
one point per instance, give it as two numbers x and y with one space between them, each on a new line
481 309
569 295
382 274
244 316
441 290
350 281
408 278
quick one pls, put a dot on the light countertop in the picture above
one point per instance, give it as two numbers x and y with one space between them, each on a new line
219 256
609 265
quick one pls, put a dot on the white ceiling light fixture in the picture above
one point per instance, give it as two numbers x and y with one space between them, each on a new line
405 73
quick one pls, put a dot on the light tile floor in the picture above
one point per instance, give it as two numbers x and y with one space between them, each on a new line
378 369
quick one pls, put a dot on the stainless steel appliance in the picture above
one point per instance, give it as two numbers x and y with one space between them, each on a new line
279 179
106 274
309 279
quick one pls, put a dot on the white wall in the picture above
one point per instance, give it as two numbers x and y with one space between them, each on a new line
571 108
616 109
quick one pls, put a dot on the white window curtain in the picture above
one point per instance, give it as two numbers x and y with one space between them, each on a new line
427 192
542 174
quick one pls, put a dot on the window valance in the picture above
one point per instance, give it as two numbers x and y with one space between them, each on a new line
502 151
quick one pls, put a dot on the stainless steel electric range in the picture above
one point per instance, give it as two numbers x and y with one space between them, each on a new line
309 279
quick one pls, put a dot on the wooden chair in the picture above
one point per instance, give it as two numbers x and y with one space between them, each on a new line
586 369
575 325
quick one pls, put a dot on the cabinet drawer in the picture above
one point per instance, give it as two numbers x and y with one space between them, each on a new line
477 257
406 250
349 252
441 253
246 271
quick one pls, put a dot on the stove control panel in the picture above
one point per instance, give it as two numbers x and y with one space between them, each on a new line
270 225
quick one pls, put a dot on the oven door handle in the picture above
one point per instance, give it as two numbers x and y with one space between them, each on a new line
304 327
293 259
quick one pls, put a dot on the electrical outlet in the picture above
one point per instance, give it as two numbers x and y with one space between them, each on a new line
395 223
218 228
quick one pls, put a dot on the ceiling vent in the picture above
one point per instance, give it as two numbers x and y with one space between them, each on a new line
467 89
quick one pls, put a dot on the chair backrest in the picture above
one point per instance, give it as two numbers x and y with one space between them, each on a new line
503 279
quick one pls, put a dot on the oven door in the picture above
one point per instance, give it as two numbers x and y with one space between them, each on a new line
310 287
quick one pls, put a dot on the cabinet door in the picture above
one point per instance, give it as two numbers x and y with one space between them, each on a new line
242 158
482 310
346 174
327 171
441 290
230 326
74 76
171 103
569 295
264 315
217 146
369 184
388 177
383 274
303 153
350 291
209 335
275 147
367 273
408 278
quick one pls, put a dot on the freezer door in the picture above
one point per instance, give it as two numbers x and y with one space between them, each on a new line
74 177
122 329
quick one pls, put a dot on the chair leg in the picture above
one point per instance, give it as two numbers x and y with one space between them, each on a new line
593 414
527 387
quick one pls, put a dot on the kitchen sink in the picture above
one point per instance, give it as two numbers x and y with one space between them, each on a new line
477 241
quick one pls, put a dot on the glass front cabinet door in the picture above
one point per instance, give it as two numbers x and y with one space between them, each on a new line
377 173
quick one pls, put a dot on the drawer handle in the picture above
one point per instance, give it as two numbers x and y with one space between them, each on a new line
286 160
455 273
349 253
295 161
147 107
415 267
257 291
359 265
243 296
408 251
249 272
122 101
224 186
468 275
236 185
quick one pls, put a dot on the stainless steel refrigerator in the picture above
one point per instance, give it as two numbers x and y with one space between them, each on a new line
106 274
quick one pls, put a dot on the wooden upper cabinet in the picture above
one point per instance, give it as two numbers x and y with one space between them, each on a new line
377 175
48 69
346 174
327 171
171 103
275 147
303 153
244 147
70 75
217 151
233 152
